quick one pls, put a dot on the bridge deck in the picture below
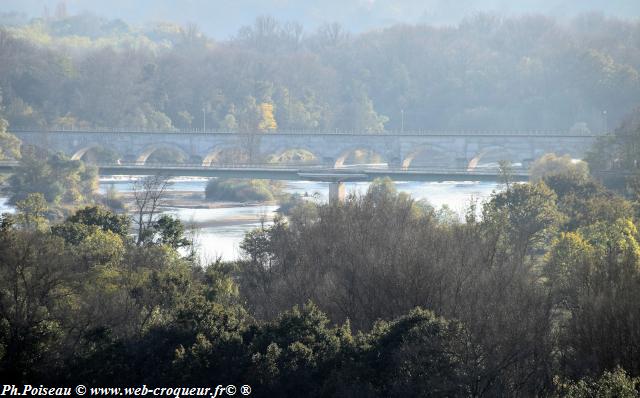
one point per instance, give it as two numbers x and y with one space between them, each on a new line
302 173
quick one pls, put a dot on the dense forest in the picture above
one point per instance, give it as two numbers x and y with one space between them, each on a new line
534 294
488 72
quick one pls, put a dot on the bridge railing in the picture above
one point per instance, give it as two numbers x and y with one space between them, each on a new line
420 132
275 166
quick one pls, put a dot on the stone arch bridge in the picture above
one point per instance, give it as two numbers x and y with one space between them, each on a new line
459 150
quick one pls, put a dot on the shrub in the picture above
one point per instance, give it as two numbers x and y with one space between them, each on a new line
234 190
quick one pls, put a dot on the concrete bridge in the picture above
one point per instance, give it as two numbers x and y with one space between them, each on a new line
459 150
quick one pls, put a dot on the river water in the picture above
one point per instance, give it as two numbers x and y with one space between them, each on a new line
220 230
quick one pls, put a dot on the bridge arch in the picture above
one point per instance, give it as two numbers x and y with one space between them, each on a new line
78 154
225 154
295 154
149 150
99 154
371 155
435 152
496 153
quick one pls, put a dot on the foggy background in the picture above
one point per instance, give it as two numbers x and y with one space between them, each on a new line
222 19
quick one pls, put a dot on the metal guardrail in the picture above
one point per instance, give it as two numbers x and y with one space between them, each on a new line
116 130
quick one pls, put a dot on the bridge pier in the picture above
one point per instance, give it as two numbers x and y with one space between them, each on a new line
337 192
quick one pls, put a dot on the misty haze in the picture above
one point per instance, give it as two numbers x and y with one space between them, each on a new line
284 198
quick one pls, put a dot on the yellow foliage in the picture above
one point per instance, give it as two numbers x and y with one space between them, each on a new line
102 248
614 240
268 121
570 254
35 33
66 121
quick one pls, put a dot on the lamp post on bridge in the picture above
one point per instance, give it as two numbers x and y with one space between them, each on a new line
204 120
402 120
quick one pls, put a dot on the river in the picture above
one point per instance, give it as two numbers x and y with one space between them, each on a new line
221 229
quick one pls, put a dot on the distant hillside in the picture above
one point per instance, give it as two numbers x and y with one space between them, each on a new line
529 72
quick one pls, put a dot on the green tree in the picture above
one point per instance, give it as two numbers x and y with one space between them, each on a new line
32 212
59 179
103 219
359 113
33 296
417 355
526 213
611 384
170 231
551 165
239 190
585 201
592 274
87 220
72 233
9 144
298 352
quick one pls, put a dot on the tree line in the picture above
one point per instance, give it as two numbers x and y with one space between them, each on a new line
529 72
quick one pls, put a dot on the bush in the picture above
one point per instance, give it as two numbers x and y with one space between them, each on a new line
552 165
233 190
